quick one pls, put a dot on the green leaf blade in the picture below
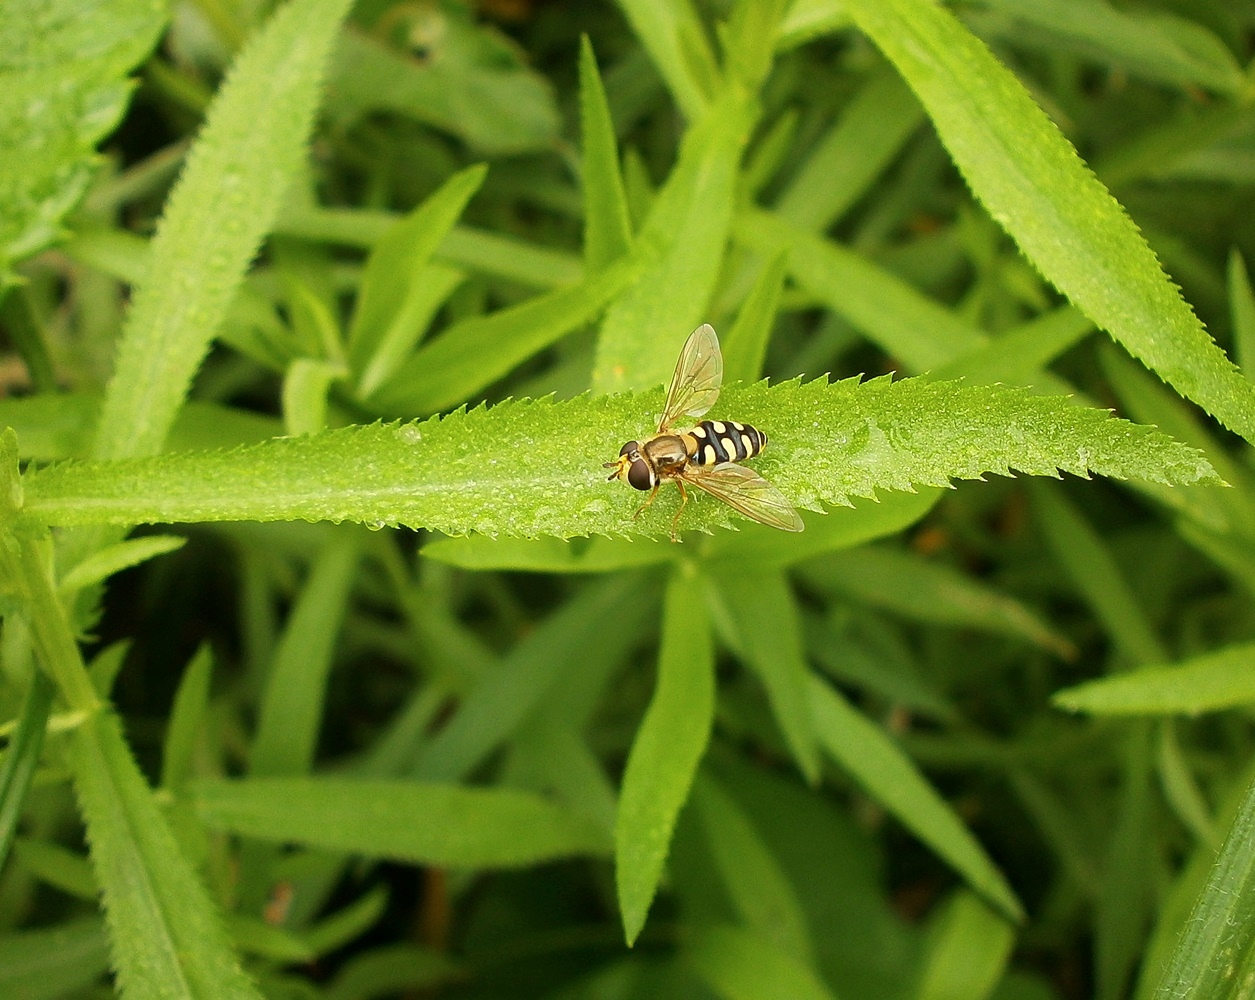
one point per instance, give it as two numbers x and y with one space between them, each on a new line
890 777
1207 683
62 89
1032 181
830 443
227 197
167 940
413 822
668 747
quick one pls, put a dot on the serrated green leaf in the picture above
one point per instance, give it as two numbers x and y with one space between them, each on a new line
889 776
167 940
445 825
1032 181
1214 951
63 87
247 155
668 747
532 468
1207 683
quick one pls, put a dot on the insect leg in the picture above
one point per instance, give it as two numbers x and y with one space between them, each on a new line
652 493
684 499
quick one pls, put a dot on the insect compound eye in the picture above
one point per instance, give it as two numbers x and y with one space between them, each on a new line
639 475
628 448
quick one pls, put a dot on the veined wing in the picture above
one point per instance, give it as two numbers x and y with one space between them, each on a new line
744 490
698 376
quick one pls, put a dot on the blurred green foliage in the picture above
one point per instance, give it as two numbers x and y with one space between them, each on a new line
988 742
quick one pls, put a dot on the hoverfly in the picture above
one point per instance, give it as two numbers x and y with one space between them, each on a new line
704 455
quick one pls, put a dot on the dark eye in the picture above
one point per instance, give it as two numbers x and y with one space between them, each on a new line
629 447
640 476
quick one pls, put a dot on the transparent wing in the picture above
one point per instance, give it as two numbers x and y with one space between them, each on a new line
698 376
744 490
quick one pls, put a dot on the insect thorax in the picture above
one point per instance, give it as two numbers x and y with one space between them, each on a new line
718 441
666 451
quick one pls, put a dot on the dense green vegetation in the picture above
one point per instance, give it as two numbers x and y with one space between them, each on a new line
262 267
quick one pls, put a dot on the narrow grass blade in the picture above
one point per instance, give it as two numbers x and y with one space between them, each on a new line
891 778
1095 573
191 704
53 962
492 711
1156 46
548 555
681 245
870 132
1032 181
744 965
392 969
759 888
745 345
1242 308
292 704
668 747
969 946
22 756
417 823
765 614
167 941
228 195
1018 356
925 590
395 267
1208 683
99 566
471 355
607 228
673 35
904 322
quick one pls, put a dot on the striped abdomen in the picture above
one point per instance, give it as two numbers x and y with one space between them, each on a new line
720 441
